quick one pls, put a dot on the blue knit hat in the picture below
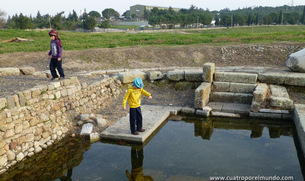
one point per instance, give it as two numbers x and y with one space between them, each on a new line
138 83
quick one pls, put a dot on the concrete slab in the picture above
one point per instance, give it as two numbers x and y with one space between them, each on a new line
153 118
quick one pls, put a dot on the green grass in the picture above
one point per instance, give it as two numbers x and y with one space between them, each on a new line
125 27
81 41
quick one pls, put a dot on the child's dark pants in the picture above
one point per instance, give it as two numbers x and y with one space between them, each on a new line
54 63
135 119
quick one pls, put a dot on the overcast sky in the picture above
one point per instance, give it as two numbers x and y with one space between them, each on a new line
52 7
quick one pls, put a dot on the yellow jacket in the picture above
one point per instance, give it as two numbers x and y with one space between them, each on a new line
134 97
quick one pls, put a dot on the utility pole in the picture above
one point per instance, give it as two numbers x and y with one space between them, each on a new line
231 20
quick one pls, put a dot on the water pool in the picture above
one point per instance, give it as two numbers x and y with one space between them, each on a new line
191 149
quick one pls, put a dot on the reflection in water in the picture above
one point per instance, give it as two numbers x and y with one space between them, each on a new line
55 162
205 128
252 152
137 157
68 176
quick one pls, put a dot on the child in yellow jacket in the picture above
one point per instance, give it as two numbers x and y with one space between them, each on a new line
134 100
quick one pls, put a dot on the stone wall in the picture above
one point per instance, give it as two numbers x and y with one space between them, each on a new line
34 119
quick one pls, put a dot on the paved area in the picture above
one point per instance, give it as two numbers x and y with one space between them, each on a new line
153 118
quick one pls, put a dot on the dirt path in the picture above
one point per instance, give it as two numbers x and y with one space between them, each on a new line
271 55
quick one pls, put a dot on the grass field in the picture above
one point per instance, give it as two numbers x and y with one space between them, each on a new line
80 40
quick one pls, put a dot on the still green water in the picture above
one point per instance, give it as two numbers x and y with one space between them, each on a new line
191 149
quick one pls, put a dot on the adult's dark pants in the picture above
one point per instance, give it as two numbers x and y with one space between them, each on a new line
135 119
54 63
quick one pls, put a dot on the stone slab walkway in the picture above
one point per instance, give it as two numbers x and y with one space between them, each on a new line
153 118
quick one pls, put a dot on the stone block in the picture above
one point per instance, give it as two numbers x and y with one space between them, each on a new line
204 112
9 71
51 87
11 102
101 122
272 77
128 77
243 98
202 95
22 99
56 84
242 88
27 94
278 91
221 86
260 93
86 129
296 61
176 75
297 79
3 161
265 115
3 103
35 92
66 82
232 97
224 114
222 97
98 73
236 77
208 72
40 74
255 106
281 102
155 75
277 111
27 70
186 110
193 75
74 80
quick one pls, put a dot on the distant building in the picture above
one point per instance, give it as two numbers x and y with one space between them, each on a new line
139 10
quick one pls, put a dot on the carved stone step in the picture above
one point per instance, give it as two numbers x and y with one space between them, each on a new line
236 77
233 87
231 97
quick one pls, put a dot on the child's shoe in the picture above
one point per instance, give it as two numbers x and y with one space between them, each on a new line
141 130
135 133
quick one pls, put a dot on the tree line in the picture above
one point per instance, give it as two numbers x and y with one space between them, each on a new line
87 21
240 17
167 18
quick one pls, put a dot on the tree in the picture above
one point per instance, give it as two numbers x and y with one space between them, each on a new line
251 19
72 17
2 19
280 18
303 17
239 19
108 13
226 20
105 24
89 22
267 20
22 22
95 14
57 21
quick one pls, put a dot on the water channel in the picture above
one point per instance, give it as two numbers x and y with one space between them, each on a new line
185 148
